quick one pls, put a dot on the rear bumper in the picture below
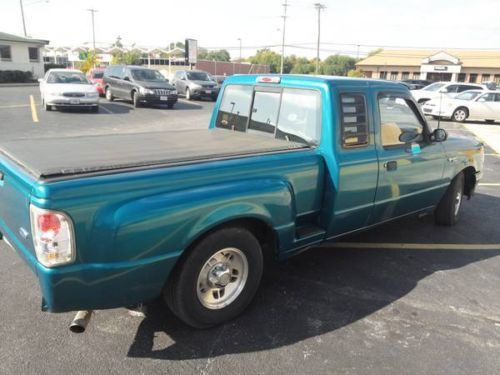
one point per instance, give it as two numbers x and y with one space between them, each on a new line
99 285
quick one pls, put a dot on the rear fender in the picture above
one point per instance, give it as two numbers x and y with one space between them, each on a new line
170 222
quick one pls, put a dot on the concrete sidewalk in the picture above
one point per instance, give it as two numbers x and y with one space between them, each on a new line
488 133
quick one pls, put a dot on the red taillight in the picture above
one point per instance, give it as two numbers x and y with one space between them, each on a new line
49 222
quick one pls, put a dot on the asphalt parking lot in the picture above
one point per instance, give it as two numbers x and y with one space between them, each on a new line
406 297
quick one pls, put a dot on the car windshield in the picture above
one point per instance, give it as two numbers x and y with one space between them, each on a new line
198 76
468 95
434 87
67 77
98 75
147 75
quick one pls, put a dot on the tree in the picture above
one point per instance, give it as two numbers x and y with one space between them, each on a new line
127 58
217 55
267 57
88 63
356 73
338 65
118 42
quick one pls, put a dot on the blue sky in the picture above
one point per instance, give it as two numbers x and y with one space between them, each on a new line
219 23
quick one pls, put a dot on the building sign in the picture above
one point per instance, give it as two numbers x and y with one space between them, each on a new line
440 68
191 51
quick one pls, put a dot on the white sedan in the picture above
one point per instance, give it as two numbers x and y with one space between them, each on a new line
68 88
473 105
445 90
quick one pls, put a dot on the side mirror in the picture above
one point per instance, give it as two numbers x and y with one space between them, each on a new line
126 78
443 91
40 80
439 135
481 100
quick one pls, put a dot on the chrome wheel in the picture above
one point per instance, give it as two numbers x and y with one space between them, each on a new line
460 115
109 95
222 278
458 202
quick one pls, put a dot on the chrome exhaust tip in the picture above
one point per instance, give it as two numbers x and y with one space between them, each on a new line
80 322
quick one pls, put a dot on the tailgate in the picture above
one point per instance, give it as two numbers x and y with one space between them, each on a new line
15 192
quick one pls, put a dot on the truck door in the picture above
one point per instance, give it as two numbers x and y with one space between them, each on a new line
410 166
350 192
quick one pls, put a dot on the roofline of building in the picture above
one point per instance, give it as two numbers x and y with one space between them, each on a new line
21 39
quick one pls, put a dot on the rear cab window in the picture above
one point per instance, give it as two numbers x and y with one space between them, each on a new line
290 114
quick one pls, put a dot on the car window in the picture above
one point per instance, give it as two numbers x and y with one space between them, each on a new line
434 87
235 107
67 78
98 75
490 97
354 120
467 95
452 88
398 117
265 112
497 98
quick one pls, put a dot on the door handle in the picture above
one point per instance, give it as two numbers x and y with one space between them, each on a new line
391 165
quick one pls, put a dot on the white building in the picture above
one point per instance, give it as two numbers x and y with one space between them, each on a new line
20 53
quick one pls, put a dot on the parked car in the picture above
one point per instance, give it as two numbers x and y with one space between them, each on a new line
68 88
95 77
289 161
195 84
139 85
473 105
416 84
445 89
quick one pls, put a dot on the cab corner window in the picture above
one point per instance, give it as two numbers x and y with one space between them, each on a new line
399 123
235 108
354 120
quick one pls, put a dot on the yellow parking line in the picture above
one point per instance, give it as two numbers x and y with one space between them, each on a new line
489 184
34 114
412 246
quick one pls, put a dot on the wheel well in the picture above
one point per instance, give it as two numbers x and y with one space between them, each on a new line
469 180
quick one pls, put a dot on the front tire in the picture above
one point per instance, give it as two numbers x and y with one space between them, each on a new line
109 94
188 94
448 210
218 278
135 99
460 115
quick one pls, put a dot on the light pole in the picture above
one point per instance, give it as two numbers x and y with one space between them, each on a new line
319 7
285 6
239 39
92 12
22 15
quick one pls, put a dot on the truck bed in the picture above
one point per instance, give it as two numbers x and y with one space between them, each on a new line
47 158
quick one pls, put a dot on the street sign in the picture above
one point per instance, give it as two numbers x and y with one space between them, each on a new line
191 51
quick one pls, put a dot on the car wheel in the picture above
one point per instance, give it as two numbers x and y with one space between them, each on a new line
217 279
188 94
109 94
46 106
448 210
460 114
135 99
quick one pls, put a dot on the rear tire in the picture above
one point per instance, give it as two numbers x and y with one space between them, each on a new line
188 94
448 210
460 114
217 279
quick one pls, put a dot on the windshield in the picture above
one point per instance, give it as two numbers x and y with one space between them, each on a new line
97 75
468 95
434 87
67 77
147 75
198 76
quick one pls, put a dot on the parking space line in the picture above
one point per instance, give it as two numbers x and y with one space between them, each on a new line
14 106
34 114
106 109
412 246
489 184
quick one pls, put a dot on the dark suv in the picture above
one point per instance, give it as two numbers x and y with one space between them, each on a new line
138 84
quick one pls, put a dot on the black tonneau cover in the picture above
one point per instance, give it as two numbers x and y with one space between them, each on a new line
58 157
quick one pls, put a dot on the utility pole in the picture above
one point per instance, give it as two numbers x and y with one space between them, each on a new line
22 15
285 6
92 12
239 39
319 7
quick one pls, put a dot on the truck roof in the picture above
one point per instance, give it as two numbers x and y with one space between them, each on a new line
295 78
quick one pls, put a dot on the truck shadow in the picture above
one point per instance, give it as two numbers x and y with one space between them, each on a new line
324 289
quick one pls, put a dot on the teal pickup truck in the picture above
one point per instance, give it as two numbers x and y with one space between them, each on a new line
287 163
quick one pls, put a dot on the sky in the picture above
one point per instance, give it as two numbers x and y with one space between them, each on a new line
219 23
